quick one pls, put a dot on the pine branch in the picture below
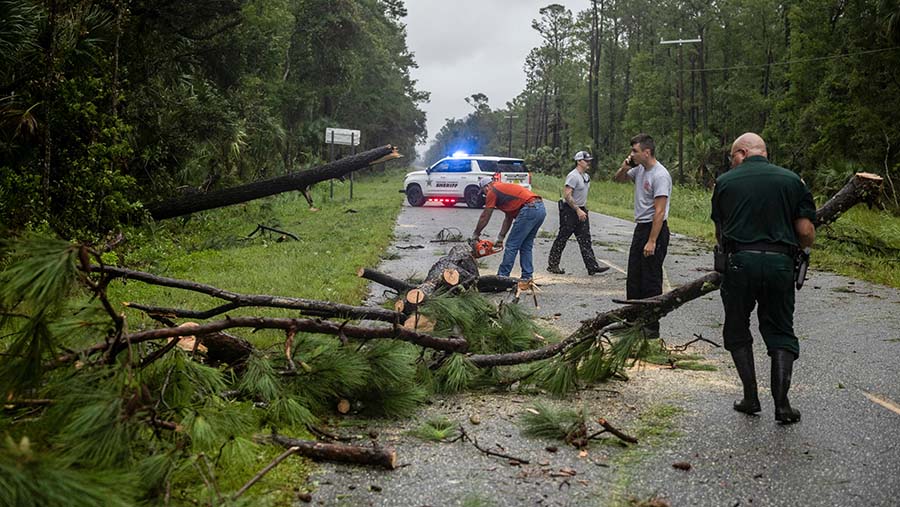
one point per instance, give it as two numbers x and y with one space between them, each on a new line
310 307
264 471
451 344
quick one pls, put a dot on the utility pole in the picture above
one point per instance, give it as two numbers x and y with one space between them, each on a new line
681 43
509 146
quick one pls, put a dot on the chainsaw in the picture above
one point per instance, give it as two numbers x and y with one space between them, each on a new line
484 247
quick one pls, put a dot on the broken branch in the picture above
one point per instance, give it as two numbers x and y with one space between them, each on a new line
344 453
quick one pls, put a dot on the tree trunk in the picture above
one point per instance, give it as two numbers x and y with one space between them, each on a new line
862 187
401 286
193 203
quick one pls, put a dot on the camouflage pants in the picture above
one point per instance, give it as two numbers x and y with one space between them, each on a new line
568 225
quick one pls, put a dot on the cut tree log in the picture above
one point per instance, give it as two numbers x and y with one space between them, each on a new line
484 283
863 187
388 281
192 203
385 457
459 261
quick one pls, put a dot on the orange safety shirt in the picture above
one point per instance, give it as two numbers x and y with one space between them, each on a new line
508 197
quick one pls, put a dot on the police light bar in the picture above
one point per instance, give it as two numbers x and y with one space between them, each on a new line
460 153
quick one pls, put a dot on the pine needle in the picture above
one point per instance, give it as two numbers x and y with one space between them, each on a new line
288 412
259 380
32 479
455 374
541 421
557 375
437 429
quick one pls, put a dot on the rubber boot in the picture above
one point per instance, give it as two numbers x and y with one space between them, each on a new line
782 368
746 368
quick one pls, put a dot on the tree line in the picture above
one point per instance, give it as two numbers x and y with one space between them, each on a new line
819 80
105 104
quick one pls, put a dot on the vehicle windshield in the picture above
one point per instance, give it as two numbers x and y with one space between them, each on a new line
502 166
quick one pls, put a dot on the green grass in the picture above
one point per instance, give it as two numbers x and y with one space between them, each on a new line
863 243
212 248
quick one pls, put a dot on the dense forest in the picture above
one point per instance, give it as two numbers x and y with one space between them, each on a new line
104 103
819 80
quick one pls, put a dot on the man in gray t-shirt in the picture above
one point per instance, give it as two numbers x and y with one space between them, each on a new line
650 243
573 218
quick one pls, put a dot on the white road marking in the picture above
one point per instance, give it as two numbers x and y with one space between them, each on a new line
610 264
667 287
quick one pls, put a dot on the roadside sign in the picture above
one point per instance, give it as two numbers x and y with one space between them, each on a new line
346 137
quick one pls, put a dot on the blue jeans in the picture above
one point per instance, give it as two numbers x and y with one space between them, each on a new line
521 239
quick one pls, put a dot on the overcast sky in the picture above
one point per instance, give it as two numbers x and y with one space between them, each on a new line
472 46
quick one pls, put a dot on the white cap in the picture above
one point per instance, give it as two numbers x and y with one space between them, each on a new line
483 182
583 155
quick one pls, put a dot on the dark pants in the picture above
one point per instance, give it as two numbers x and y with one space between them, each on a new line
645 274
568 225
766 279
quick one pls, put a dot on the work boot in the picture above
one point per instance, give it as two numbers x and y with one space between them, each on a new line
597 270
782 367
746 368
556 270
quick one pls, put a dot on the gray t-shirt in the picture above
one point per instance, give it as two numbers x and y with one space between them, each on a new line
580 184
648 185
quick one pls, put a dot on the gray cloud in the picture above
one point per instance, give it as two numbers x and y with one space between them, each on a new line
471 46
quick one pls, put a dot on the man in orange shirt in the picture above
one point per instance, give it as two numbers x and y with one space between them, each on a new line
524 211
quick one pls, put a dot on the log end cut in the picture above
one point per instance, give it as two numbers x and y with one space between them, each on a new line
451 276
415 296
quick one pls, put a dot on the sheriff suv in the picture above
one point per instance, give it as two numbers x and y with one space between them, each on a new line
455 179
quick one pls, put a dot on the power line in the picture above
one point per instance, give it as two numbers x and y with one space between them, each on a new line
802 60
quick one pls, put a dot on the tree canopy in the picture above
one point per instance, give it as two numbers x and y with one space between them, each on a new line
106 103
818 80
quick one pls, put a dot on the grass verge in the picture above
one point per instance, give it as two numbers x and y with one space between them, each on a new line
213 248
863 243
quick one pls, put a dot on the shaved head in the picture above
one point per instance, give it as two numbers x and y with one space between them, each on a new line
747 145
752 143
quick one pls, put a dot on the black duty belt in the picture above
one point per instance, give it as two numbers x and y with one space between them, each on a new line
763 247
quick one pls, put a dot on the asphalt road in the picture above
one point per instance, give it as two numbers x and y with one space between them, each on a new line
845 451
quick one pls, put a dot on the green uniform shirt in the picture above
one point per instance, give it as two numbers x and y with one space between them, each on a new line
758 202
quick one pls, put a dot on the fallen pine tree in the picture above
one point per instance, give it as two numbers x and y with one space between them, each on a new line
109 394
201 201
457 269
